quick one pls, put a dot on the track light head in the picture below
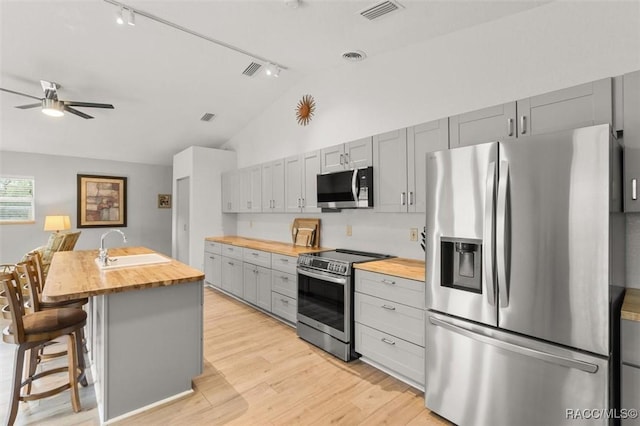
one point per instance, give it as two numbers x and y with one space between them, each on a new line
119 18
132 18
272 70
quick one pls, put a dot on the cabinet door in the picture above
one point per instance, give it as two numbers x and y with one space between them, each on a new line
358 153
213 269
293 183
255 198
263 281
578 106
333 159
421 139
277 186
250 283
230 190
244 197
310 170
390 176
491 124
631 84
232 280
267 187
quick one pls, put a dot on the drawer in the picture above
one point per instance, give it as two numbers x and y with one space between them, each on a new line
630 392
390 317
284 307
391 352
283 283
212 247
283 263
257 257
233 252
630 341
400 290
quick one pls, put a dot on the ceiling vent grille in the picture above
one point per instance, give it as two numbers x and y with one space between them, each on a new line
251 69
380 9
207 117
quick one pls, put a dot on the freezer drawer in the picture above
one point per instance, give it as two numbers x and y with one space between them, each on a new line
477 375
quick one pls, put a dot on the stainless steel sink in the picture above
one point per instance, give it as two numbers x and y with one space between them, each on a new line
132 260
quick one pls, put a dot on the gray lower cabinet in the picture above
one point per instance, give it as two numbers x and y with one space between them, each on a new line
631 114
284 287
389 325
257 286
213 263
630 374
578 106
232 273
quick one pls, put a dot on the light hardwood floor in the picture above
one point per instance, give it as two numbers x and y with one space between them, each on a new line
256 372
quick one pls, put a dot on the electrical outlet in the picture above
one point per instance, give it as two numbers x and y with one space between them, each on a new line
349 231
413 234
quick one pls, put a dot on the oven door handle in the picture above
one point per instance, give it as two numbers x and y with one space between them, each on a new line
323 276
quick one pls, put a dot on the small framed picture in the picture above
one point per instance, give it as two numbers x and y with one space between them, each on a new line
164 201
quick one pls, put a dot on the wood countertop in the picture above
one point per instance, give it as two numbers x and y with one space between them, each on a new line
74 275
286 249
631 305
412 269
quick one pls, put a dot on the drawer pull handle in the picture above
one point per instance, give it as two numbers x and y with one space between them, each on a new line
388 341
255 254
285 301
211 257
390 282
284 278
230 263
284 260
390 308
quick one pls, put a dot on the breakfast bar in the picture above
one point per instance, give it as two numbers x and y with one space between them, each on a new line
145 331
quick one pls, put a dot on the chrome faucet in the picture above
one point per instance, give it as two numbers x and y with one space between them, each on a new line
103 255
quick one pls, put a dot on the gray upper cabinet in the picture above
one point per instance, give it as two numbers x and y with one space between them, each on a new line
351 155
300 181
399 159
578 106
631 88
421 139
273 187
230 192
251 189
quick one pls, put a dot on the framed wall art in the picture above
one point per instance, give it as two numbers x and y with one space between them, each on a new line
164 201
102 201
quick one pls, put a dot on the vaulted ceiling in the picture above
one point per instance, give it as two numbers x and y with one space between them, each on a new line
161 80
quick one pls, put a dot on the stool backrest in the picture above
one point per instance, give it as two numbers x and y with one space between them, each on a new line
28 271
10 283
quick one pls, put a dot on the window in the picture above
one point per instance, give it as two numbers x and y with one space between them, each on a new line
16 199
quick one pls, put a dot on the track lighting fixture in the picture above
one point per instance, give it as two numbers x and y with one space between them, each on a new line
272 70
132 18
119 18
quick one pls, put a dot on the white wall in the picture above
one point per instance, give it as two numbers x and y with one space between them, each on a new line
204 167
56 193
543 49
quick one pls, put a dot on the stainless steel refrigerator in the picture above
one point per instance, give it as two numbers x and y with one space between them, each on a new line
525 269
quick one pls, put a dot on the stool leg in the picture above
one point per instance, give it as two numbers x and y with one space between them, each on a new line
15 387
72 354
31 366
80 355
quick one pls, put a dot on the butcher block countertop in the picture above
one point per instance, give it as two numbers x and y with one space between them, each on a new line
397 266
74 275
631 305
286 249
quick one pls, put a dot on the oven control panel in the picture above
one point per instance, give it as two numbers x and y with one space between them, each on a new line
335 267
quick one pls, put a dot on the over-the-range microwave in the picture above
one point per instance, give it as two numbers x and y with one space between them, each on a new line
349 189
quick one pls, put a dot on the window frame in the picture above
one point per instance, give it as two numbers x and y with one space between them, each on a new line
32 199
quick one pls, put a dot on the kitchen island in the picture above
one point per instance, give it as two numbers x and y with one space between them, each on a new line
145 328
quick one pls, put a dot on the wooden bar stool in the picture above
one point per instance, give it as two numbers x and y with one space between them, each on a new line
30 272
31 331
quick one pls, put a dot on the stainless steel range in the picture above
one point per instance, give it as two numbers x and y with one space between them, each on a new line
325 299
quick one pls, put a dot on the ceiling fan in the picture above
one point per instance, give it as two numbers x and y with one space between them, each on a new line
55 107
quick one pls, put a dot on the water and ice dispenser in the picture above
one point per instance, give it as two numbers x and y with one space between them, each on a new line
461 264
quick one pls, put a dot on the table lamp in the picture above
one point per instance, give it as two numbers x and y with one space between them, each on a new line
57 223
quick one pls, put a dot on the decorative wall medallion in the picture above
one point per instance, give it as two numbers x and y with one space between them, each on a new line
305 110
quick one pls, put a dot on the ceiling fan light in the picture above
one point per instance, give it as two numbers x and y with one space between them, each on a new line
52 108
119 18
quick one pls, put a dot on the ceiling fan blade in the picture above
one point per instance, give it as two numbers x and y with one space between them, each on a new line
18 93
39 104
88 104
76 112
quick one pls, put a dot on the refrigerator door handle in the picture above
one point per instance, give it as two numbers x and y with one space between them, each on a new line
489 220
502 237
522 350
